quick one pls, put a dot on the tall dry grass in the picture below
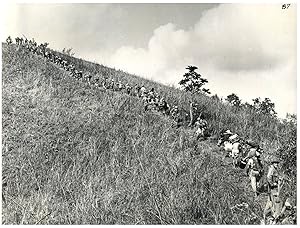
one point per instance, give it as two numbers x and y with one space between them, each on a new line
73 154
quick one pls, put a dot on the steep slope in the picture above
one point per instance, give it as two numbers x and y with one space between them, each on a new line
73 154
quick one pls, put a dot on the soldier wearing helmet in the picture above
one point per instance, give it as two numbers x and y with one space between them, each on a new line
275 182
163 106
273 174
176 116
279 211
254 170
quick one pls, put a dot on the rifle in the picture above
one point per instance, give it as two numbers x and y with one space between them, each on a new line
25 37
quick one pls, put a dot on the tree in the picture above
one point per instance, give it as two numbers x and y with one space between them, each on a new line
234 100
193 81
265 107
215 97
288 149
68 51
247 106
291 118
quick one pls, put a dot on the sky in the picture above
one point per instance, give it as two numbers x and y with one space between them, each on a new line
246 49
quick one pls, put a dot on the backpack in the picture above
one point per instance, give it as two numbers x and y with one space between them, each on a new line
252 144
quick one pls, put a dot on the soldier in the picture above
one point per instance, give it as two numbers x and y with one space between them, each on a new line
156 102
9 40
163 106
151 98
79 75
56 59
254 169
176 116
111 84
236 149
142 91
47 55
174 112
146 100
30 45
17 40
65 65
72 70
273 177
21 41
119 86
105 83
44 47
254 150
201 126
136 90
288 214
128 88
26 43
34 43
279 212
97 82
60 61
89 78
34 47
224 136
76 74
227 134
151 93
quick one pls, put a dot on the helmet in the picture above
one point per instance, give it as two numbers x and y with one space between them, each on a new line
228 132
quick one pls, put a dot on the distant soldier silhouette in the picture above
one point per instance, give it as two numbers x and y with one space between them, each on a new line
97 83
17 40
142 91
128 88
201 126
88 78
136 90
9 40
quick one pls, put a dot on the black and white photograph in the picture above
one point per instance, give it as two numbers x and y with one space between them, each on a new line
151 113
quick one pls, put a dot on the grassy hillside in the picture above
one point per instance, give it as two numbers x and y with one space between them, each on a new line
73 154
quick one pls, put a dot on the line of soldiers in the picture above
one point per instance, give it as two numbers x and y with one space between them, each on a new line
151 99
247 155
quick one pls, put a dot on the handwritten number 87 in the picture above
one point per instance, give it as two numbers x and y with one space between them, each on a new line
285 6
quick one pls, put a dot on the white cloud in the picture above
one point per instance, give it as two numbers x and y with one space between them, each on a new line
246 49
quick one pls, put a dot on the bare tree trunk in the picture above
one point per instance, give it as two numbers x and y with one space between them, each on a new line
191 114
